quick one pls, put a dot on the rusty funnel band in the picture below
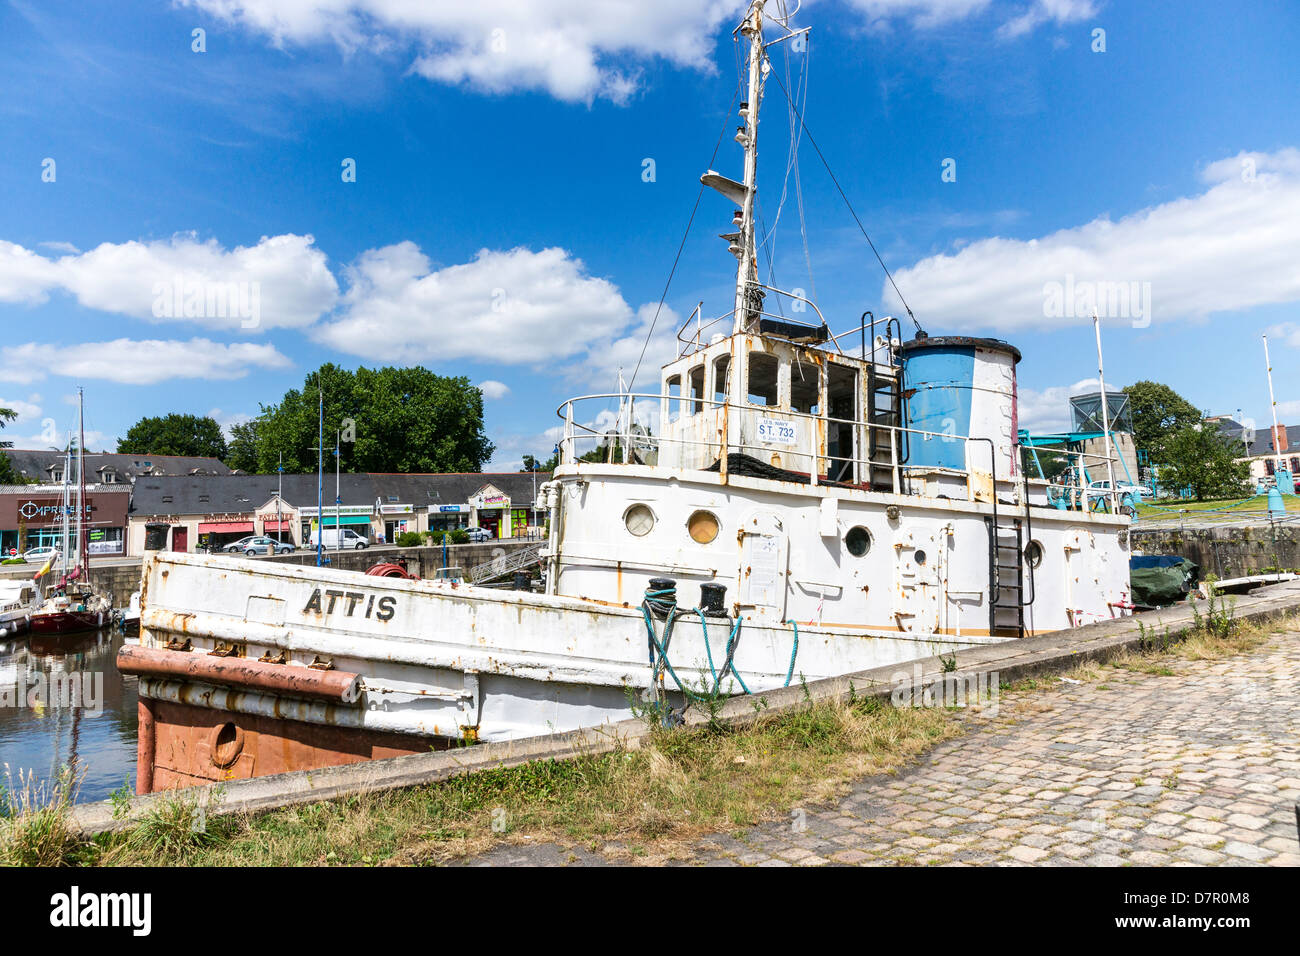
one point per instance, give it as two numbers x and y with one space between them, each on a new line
280 679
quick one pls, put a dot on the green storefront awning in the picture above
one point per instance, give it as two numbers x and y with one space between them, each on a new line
330 520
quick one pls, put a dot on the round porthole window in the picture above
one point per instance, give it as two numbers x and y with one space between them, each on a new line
858 541
1034 554
639 519
703 526
919 557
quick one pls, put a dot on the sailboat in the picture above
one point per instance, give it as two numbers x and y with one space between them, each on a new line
72 604
799 512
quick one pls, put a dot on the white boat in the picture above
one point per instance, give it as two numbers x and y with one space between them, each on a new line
801 513
18 598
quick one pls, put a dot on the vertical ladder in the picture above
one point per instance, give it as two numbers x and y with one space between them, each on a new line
884 408
1006 576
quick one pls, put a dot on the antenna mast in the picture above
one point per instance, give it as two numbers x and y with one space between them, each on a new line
747 136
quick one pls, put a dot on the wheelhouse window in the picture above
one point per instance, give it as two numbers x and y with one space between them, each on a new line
721 369
805 388
764 372
696 378
673 388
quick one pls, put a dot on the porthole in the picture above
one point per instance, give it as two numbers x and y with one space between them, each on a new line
858 541
1034 554
919 556
703 526
639 519
225 744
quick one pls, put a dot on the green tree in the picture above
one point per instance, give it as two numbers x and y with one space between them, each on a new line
8 476
241 451
531 463
1158 412
1203 460
403 420
175 434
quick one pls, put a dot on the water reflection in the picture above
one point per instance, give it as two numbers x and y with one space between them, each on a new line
62 701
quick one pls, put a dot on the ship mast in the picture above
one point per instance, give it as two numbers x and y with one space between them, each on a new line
748 296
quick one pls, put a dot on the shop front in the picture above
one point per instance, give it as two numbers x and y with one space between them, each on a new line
490 509
216 532
397 519
355 518
34 519
278 519
444 518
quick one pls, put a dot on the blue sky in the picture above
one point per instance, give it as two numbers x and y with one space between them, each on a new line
501 226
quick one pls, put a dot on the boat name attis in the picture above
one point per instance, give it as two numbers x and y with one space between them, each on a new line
382 609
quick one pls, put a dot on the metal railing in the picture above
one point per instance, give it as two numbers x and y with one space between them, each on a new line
622 440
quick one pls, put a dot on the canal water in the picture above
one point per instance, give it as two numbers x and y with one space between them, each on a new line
64 704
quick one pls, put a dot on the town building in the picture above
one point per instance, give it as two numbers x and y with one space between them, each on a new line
109 468
1257 447
204 512
31 516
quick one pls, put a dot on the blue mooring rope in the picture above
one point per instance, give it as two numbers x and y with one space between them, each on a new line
664 602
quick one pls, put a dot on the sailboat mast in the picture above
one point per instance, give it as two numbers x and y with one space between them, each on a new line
67 508
83 548
747 270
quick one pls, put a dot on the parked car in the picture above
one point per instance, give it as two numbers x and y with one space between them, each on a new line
265 545
240 546
479 535
333 538
41 555
1124 488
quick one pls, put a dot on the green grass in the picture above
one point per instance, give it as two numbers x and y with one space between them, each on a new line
651 800
1162 508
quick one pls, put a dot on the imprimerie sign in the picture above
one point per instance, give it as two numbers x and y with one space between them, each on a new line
46 511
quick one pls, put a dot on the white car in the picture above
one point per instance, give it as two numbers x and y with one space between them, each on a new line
479 535
41 555
1103 488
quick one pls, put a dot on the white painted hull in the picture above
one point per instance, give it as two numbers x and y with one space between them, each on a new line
509 663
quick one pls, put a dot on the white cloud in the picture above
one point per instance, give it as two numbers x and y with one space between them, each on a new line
283 281
512 307
493 389
137 362
25 276
1048 410
575 50
1234 246
1059 12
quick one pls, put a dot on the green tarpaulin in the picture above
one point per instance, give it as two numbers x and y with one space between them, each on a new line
1163 585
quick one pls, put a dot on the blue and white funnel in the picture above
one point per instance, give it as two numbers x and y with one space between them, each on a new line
961 386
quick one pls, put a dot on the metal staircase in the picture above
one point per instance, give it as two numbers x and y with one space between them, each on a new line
505 564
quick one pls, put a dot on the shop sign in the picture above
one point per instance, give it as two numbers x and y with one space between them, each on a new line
397 509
